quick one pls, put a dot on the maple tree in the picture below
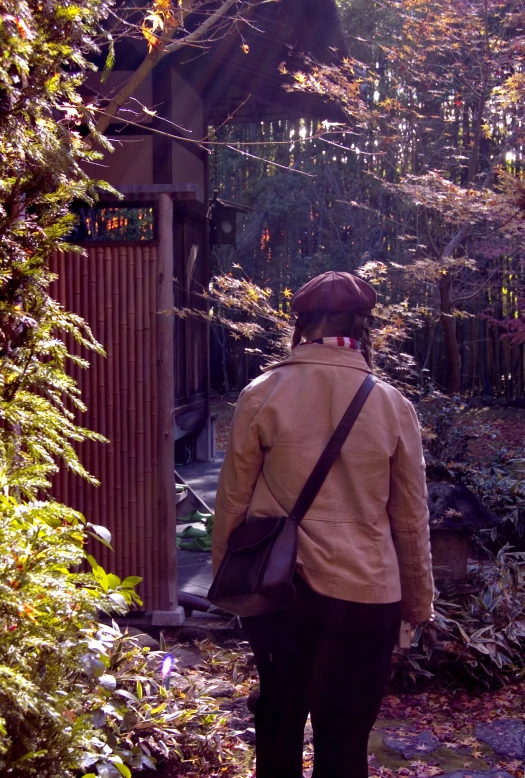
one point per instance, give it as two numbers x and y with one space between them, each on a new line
434 102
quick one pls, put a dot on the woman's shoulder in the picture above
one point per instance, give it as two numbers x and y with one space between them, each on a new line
257 389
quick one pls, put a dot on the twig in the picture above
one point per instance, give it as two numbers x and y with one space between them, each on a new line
269 162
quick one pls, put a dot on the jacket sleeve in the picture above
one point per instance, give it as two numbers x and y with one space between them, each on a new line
242 464
409 520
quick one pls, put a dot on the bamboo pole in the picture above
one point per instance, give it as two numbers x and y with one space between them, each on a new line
123 361
148 473
154 426
117 385
132 412
75 269
109 406
497 357
96 291
475 346
71 270
86 394
143 518
92 380
102 397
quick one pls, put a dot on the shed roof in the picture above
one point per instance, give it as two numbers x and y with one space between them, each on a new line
275 40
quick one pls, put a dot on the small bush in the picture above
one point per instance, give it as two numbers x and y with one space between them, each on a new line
52 667
151 716
484 450
477 639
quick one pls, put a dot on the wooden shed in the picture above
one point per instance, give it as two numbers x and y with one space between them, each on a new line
148 253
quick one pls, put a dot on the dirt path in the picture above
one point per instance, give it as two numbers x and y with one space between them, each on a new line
443 732
223 410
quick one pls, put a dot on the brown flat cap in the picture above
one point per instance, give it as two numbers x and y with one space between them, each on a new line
335 292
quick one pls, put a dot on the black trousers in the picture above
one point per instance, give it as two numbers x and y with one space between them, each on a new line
329 658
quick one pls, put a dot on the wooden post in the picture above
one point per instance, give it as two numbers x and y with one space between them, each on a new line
169 614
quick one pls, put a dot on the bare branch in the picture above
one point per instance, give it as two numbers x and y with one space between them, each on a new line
201 31
154 56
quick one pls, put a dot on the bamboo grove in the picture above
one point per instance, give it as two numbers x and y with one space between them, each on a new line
419 187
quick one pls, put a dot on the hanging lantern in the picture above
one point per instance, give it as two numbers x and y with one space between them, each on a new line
223 225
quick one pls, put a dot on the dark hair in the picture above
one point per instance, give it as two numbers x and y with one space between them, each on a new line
342 325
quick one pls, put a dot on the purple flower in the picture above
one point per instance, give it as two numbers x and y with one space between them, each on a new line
167 664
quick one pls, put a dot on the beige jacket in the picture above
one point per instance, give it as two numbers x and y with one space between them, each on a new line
366 536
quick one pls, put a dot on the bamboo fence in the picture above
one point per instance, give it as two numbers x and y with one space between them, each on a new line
116 289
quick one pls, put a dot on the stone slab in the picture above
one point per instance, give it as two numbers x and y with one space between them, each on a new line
186 657
221 689
506 737
411 743
142 639
172 618
203 477
194 572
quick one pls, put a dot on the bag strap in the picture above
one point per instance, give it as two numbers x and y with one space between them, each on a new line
331 452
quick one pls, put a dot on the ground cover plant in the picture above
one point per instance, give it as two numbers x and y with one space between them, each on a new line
482 447
478 639
210 727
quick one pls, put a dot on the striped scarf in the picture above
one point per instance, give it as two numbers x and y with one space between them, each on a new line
343 342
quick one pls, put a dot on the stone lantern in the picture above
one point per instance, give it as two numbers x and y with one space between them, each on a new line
455 514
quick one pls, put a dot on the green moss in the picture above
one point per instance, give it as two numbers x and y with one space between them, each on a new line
449 759
385 756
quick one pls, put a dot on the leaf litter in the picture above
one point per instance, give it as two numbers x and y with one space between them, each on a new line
221 743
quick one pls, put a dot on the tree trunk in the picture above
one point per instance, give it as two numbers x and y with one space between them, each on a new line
449 332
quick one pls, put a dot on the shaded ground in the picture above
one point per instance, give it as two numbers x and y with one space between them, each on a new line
202 477
223 409
194 568
493 427
439 733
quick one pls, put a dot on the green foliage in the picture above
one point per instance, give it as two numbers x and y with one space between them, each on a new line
479 638
482 448
43 62
76 694
53 676
53 682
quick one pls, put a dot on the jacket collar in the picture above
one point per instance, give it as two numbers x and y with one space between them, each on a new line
323 354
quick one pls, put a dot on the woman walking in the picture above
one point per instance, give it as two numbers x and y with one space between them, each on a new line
363 547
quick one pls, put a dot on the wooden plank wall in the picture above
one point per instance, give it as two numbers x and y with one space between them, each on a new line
115 289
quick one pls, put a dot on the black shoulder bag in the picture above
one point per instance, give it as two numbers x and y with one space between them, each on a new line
256 574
